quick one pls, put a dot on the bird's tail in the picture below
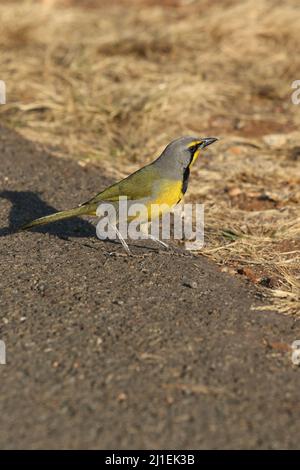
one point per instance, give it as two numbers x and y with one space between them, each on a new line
82 210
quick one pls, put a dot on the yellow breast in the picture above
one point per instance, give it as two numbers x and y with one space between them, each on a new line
167 194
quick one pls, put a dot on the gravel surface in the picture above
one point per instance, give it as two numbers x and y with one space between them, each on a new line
158 350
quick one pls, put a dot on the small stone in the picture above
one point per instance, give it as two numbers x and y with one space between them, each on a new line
235 191
275 140
190 284
122 397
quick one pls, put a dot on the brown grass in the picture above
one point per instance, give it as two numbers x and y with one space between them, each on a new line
115 81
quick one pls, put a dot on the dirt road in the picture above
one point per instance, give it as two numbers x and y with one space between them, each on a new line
110 351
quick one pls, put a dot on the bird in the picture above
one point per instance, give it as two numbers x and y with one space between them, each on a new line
162 182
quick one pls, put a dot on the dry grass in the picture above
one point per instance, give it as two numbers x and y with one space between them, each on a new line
114 84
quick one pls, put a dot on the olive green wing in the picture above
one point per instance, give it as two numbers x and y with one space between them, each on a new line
138 185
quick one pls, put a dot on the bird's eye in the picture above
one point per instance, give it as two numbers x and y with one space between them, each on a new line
193 148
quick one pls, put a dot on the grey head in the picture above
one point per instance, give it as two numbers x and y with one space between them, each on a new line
181 153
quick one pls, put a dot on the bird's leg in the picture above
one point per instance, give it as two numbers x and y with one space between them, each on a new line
120 237
151 237
145 231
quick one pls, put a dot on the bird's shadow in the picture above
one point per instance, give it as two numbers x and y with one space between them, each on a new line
27 206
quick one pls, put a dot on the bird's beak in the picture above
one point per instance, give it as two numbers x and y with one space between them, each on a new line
207 141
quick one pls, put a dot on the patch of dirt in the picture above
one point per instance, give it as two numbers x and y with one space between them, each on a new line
157 350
